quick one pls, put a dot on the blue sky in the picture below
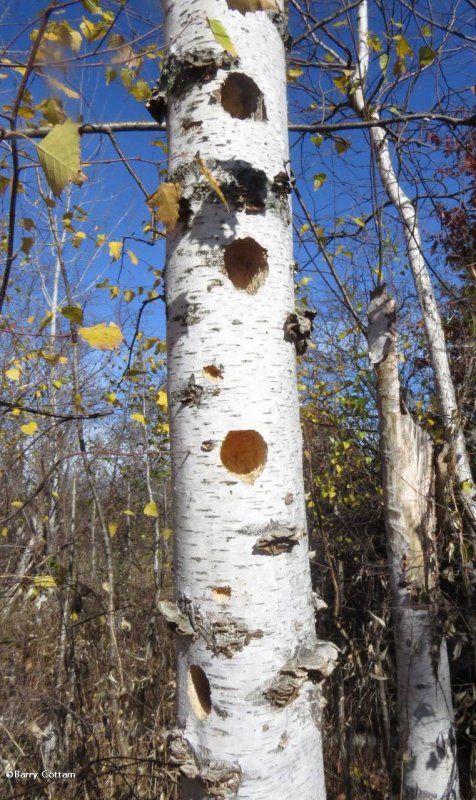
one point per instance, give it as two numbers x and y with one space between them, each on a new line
116 205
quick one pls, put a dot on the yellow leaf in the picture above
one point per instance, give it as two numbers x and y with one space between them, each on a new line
63 88
151 510
17 503
112 528
165 204
294 73
59 155
102 337
4 532
44 581
111 397
13 373
133 257
161 400
402 47
115 250
29 428
128 513
75 40
167 533
129 295
16 412
211 180
138 418
342 82
74 616
161 427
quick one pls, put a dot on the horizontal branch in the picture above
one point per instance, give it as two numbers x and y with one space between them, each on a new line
312 127
385 122
63 417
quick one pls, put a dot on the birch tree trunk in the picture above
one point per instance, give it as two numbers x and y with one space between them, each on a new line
248 659
430 313
427 740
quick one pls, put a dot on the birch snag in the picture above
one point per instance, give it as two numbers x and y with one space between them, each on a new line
248 660
427 741
435 336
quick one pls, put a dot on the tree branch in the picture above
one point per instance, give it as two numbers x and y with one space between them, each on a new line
63 417
312 127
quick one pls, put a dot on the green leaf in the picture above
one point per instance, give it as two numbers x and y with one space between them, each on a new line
92 6
426 30
426 55
111 75
341 145
59 156
221 36
26 244
317 139
319 180
73 313
383 61
52 110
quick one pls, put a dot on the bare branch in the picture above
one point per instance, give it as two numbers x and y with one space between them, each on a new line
312 127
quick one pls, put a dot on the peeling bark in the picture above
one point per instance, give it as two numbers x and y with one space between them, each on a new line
427 740
235 433
434 331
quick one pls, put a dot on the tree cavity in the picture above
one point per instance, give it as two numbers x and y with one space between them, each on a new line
244 453
246 264
199 692
241 97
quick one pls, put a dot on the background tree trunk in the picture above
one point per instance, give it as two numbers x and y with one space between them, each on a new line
433 325
248 707
427 741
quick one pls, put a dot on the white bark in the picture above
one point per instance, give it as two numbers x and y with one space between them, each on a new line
231 370
431 316
427 740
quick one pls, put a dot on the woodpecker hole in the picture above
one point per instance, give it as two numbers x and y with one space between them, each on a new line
212 372
244 7
244 453
199 692
222 594
241 97
246 264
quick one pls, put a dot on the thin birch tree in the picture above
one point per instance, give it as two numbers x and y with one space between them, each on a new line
427 752
431 317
